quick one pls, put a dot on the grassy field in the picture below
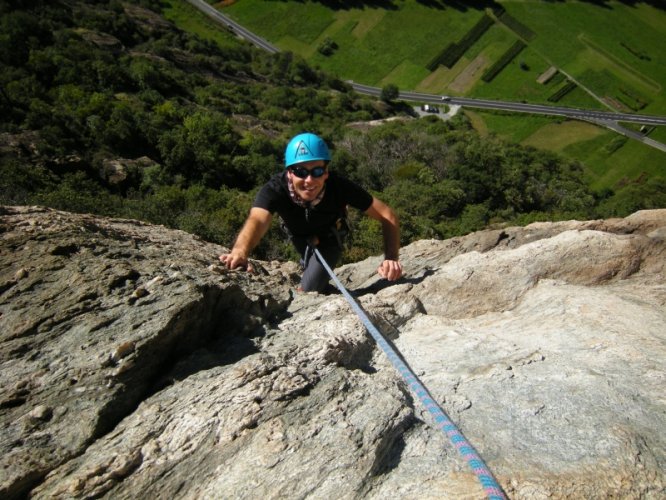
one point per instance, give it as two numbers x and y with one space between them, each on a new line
371 41
613 50
190 19
608 49
506 126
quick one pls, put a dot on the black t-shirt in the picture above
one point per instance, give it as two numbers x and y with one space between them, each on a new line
306 222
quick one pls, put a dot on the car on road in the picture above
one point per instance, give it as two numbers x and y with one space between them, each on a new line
429 108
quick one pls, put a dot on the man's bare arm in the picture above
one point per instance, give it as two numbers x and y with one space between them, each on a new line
391 268
255 227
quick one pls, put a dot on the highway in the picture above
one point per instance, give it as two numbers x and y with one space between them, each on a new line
519 107
217 16
603 118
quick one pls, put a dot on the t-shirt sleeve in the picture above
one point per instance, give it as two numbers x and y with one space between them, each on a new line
268 196
262 200
354 194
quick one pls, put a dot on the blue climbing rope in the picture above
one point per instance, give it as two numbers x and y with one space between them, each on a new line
490 485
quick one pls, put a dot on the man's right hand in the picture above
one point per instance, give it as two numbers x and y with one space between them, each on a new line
253 230
235 259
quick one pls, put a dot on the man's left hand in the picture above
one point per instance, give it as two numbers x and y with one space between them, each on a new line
390 269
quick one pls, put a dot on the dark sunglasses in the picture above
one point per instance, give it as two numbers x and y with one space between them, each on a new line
303 173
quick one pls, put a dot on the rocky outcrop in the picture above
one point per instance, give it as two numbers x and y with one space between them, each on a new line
136 367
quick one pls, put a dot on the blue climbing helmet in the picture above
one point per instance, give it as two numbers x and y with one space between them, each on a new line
305 147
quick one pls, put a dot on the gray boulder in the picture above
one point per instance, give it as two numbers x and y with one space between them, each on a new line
134 366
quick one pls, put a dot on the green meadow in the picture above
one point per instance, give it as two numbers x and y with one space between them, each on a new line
612 50
189 19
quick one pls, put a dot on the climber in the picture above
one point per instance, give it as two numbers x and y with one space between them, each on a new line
312 203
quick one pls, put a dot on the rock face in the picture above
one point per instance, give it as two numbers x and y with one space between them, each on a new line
133 366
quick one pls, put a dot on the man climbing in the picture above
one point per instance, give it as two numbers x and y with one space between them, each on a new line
312 204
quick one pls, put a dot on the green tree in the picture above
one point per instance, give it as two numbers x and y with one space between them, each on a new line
390 93
212 140
327 47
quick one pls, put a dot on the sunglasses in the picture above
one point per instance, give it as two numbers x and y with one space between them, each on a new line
302 173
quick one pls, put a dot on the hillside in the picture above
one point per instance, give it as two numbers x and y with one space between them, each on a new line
135 367
109 108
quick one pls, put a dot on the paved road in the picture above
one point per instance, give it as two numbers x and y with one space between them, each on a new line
604 118
582 114
233 26
630 133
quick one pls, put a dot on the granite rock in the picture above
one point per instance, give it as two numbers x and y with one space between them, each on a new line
135 366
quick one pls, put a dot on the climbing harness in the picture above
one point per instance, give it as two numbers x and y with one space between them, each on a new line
490 485
342 232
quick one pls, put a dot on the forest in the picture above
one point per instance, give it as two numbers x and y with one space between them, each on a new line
108 108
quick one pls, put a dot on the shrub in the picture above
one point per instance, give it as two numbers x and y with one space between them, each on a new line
327 47
390 92
564 90
454 51
506 58
516 26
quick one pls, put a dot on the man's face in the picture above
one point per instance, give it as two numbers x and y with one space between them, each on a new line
309 187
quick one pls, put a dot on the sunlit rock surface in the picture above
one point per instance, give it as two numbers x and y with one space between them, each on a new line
133 366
